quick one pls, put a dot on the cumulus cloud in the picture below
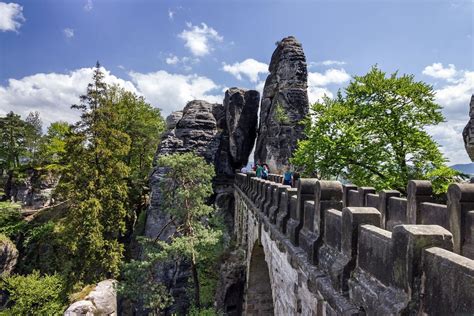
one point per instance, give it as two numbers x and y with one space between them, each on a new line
453 92
170 14
89 5
199 39
249 68
455 96
69 33
315 94
327 63
449 136
11 16
185 63
437 70
171 92
330 76
317 83
51 94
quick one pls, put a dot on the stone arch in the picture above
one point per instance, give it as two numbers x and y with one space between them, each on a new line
259 299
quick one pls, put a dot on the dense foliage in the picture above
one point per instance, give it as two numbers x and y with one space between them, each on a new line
103 162
185 189
375 134
33 294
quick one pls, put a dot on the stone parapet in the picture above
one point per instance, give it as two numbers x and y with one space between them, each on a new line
353 249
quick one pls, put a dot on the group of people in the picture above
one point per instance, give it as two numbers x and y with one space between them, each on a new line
262 171
290 177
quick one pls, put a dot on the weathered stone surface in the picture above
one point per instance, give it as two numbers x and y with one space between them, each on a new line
224 136
8 255
100 301
468 132
284 104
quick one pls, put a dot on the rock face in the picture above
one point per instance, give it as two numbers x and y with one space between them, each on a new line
8 255
284 105
223 135
468 132
101 301
35 190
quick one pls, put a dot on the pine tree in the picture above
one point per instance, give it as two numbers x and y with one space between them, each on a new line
94 182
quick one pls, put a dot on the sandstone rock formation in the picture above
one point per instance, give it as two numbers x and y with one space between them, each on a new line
468 132
100 301
223 135
284 105
8 255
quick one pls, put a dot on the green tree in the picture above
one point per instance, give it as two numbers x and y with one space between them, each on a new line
13 135
94 183
185 188
34 132
375 134
33 294
53 145
144 125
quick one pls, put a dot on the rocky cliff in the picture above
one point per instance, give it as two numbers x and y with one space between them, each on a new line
468 132
224 134
284 105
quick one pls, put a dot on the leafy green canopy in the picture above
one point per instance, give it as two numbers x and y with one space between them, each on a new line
375 134
33 294
185 188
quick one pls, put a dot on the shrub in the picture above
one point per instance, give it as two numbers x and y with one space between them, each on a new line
33 294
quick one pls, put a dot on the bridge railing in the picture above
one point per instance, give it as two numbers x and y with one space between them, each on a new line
385 252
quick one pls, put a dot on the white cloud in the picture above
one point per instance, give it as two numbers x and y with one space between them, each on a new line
69 33
171 92
336 76
171 14
437 70
250 68
455 96
327 63
172 60
184 63
315 94
198 39
89 5
11 16
449 136
52 94
453 93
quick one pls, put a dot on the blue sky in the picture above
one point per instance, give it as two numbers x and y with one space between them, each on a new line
174 51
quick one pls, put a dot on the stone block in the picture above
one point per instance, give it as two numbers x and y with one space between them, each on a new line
306 190
275 207
448 283
372 200
418 191
284 210
363 191
384 197
346 188
461 218
408 242
434 214
328 195
396 212
374 255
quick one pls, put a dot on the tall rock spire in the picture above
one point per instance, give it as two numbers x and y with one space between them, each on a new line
284 105
468 132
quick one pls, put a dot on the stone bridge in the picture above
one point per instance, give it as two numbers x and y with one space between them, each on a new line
325 248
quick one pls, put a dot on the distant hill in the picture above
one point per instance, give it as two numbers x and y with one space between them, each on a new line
467 168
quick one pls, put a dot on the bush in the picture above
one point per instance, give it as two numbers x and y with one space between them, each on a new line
33 294
11 221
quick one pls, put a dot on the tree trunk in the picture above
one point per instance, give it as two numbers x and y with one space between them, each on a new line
197 294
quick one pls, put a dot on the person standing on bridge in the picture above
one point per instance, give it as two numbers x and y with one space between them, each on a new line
287 176
259 169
